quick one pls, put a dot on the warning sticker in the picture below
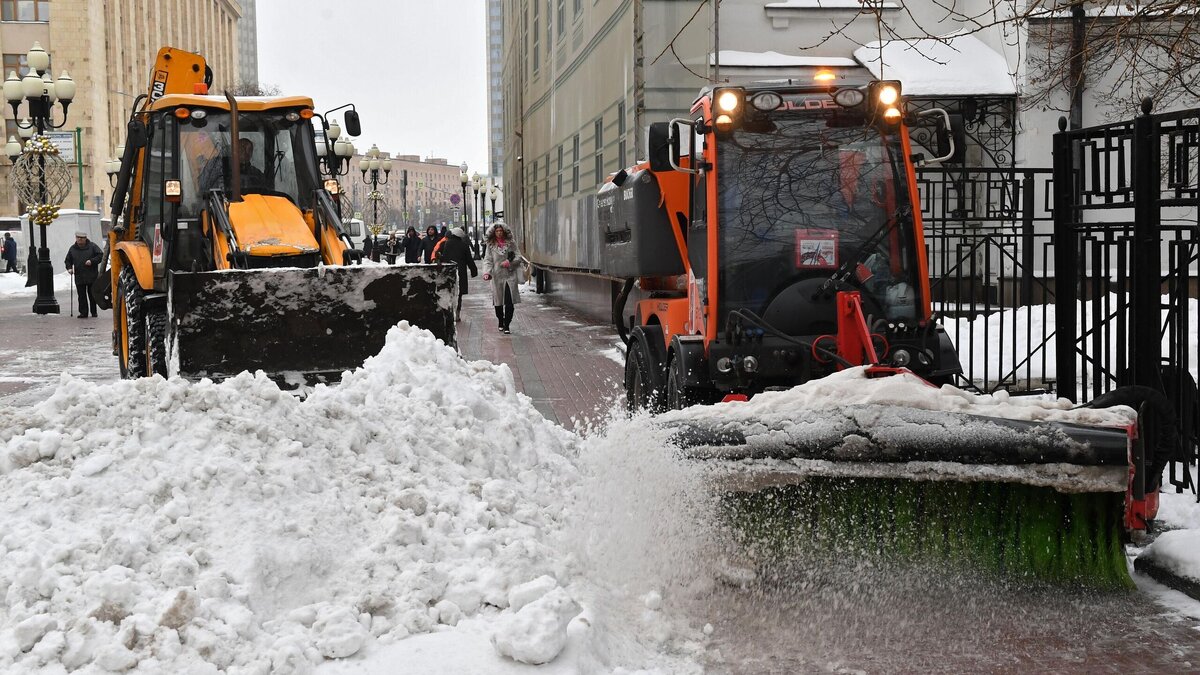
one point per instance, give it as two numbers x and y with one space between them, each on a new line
816 249
157 254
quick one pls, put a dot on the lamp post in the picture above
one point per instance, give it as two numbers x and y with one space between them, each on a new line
39 176
494 194
372 163
477 212
334 152
464 179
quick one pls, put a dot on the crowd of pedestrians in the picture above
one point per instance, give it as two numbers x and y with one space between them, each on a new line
504 268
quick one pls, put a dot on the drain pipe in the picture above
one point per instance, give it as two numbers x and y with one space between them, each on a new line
1076 64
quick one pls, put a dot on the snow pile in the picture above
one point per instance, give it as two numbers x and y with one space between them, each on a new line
1178 552
12 283
166 526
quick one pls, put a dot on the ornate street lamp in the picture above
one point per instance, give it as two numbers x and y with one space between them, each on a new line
335 150
476 210
372 163
40 177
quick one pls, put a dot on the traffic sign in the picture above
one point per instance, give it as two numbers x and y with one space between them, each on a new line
455 199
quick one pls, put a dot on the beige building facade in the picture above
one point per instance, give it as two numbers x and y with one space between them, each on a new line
431 183
108 47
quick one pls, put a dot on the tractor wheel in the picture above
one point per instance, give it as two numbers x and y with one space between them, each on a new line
639 388
156 342
132 341
680 395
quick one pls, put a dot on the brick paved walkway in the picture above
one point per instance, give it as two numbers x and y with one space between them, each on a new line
570 366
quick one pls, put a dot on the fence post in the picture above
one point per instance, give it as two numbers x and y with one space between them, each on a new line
1066 264
1146 314
1028 197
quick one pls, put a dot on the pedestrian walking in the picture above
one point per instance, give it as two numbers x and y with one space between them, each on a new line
453 250
504 266
412 246
391 248
10 253
431 240
83 262
368 245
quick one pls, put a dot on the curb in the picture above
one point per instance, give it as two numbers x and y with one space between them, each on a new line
1166 577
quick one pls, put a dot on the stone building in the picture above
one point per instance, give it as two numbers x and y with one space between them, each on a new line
108 47
431 182
248 44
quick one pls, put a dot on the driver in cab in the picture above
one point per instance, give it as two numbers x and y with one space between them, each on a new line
216 174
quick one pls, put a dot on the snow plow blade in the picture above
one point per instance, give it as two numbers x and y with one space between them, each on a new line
299 326
1032 500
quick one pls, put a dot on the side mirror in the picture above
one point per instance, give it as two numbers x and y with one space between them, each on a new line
353 127
952 141
136 136
658 145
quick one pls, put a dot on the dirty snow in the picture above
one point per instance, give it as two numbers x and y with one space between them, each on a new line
12 283
159 526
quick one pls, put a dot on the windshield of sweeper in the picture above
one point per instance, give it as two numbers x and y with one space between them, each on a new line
804 196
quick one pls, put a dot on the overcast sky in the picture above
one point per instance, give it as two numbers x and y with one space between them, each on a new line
415 69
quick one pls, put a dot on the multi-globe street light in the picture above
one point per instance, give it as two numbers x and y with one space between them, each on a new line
41 179
334 152
464 179
494 194
372 163
476 210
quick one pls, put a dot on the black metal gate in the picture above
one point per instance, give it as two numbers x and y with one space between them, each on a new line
1127 245
987 239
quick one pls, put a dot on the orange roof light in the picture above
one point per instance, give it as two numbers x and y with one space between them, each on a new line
825 76
306 114
182 113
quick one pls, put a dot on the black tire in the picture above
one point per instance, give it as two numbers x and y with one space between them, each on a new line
156 342
639 387
679 395
133 359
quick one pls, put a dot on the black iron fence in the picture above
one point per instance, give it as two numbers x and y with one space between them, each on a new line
1081 278
1127 197
988 235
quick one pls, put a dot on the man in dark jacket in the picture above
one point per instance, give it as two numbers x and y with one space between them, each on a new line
83 261
10 253
455 251
431 240
412 246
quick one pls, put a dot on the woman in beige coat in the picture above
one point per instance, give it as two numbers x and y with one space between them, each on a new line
504 267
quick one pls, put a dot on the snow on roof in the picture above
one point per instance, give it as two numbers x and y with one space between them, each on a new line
949 66
733 58
830 4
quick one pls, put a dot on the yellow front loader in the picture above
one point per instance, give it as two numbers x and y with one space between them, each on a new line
228 252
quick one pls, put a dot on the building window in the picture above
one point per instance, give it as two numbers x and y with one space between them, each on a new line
537 62
621 136
575 165
562 18
24 10
17 63
578 8
560 171
599 151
